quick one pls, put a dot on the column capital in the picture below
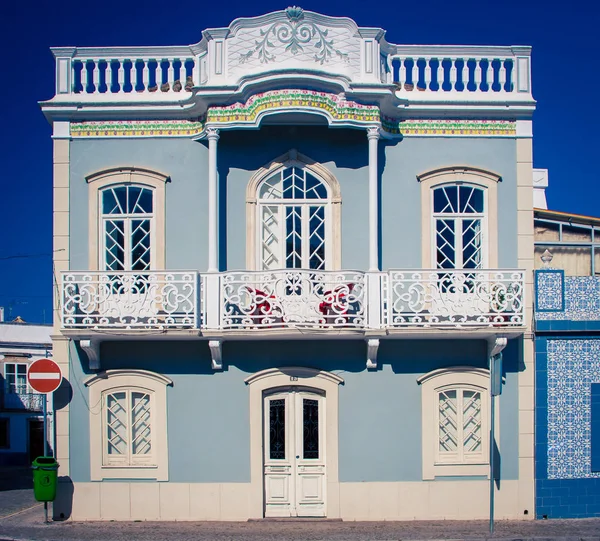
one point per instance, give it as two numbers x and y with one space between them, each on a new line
373 133
212 134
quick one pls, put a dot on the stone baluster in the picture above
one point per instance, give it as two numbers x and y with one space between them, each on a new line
402 71
84 76
477 74
110 76
489 75
465 74
146 74
502 74
453 73
96 75
415 72
428 72
171 72
440 74
121 75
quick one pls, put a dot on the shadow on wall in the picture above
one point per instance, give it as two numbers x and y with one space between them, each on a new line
63 505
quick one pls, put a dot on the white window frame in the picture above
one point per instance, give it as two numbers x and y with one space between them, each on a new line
459 218
460 378
332 208
126 176
466 175
26 389
152 466
127 219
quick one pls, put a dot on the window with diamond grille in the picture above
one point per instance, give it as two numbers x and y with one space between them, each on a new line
459 217
127 224
459 425
128 428
293 212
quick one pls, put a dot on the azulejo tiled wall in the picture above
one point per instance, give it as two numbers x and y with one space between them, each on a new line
573 365
559 297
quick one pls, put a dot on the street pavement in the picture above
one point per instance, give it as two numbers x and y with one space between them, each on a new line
29 525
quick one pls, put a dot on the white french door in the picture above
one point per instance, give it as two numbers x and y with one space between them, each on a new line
294 458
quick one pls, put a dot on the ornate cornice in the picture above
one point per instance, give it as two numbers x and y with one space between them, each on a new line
338 110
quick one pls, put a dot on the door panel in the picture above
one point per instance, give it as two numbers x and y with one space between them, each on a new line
294 459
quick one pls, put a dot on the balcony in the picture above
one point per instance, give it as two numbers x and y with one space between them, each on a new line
331 303
22 401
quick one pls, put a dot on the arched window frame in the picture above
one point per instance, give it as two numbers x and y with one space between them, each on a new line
293 159
126 176
457 175
459 378
109 382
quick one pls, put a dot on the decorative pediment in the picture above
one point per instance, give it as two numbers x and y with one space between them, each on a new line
290 40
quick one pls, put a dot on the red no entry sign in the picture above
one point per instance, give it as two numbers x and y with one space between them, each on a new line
44 376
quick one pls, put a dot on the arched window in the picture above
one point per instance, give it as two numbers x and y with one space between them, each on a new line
459 218
127 220
127 227
128 435
455 412
293 216
460 225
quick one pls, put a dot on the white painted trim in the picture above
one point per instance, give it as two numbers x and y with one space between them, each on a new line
127 176
333 208
273 378
488 180
373 137
460 377
112 380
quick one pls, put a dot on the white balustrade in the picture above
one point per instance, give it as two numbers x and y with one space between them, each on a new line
466 70
456 298
129 70
430 70
125 300
293 299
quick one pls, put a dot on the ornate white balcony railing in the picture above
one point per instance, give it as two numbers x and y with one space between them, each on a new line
125 300
422 71
456 298
293 298
23 401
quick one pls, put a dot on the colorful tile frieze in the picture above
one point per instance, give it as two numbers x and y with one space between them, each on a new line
458 127
340 110
137 128
337 107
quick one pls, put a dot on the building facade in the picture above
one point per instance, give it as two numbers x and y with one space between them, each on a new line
567 328
21 408
287 254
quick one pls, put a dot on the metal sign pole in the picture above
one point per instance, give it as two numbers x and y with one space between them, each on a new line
492 423
46 446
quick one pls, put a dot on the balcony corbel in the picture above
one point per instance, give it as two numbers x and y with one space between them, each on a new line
496 345
216 354
372 350
92 350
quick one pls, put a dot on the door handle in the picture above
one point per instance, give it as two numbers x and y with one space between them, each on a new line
297 456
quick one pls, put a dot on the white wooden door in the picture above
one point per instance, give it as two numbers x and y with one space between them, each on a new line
294 458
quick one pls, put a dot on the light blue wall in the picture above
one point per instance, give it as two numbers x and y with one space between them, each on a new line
401 192
379 412
184 161
343 152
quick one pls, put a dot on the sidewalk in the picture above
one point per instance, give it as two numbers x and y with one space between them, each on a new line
28 525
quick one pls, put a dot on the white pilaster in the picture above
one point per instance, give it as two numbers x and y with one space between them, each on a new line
213 137
373 136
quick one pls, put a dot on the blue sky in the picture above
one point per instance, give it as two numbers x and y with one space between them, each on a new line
565 75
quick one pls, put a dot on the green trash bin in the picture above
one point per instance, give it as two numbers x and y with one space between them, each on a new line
45 478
